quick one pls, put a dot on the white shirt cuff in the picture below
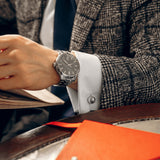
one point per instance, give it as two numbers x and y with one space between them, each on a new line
89 84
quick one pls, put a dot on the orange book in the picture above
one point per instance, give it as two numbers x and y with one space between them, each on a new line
99 141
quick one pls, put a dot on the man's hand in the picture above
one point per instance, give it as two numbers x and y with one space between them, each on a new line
25 64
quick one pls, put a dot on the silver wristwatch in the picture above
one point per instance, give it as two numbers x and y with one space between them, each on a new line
67 66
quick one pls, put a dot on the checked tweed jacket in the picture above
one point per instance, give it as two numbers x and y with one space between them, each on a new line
124 34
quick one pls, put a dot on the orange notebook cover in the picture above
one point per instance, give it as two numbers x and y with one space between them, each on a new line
99 141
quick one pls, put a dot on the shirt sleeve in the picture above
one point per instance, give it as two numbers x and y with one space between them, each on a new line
87 98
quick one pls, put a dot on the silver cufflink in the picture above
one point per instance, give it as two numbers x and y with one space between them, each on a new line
91 99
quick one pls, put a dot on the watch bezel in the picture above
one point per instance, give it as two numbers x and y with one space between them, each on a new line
66 79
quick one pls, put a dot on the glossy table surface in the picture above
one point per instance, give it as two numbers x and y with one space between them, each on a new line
37 138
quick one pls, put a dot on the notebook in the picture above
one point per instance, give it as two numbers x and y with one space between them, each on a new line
100 141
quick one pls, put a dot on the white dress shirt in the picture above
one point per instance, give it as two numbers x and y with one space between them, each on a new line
89 80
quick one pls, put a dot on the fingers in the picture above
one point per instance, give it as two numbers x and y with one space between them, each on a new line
10 41
10 83
6 46
25 64
2 50
5 42
5 57
7 71
13 77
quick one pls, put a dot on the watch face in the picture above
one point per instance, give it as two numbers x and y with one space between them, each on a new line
68 64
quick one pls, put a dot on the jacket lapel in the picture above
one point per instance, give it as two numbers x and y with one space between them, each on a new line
87 12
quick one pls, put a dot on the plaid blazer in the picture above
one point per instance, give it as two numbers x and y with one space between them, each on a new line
124 34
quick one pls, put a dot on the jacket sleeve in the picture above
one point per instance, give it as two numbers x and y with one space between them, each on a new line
7 17
135 80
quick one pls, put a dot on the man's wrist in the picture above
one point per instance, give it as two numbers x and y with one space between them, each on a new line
74 85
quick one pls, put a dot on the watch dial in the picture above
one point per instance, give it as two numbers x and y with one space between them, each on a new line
68 64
